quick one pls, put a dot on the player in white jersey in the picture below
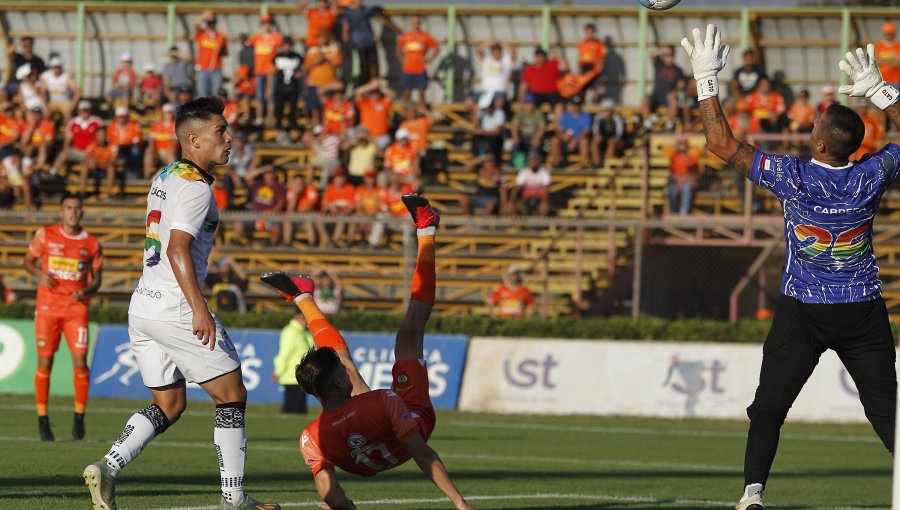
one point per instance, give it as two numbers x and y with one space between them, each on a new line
173 335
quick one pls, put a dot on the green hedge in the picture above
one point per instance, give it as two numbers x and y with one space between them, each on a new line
620 328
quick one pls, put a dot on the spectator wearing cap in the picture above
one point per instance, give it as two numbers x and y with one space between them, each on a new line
60 91
125 137
415 49
320 66
488 124
591 53
373 102
512 298
288 80
827 99
362 153
31 92
531 194
265 45
527 130
38 136
15 178
338 199
303 197
19 54
81 133
356 30
490 193
163 147
212 45
541 76
748 75
608 133
887 54
268 196
417 123
178 76
573 135
123 82
368 200
667 78
100 162
402 159
320 18
495 72
150 86
11 124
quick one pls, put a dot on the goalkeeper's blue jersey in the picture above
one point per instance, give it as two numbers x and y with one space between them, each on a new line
828 217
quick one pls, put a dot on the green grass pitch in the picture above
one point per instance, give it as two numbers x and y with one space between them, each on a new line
523 462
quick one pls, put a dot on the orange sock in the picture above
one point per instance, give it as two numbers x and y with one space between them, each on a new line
81 382
423 281
324 334
41 390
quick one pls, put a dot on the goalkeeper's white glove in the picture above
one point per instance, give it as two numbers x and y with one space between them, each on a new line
707 58
867 80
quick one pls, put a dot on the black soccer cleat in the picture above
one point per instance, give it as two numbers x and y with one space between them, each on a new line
78 427
423 215
44 429
288 287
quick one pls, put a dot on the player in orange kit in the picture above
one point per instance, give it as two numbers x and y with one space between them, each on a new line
361 431
69 274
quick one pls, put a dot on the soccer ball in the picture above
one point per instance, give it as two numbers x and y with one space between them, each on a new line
659 5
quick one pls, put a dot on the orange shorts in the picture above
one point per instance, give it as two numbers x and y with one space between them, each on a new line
411 384
48 327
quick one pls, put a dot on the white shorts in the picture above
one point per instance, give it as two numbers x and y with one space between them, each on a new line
168 352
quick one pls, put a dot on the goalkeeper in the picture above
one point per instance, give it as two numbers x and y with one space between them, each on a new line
830 292
361 431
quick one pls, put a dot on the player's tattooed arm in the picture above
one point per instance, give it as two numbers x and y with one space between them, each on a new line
719 138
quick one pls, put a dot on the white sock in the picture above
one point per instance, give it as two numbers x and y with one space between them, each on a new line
752 490
140 429
230 438
303 296
427 231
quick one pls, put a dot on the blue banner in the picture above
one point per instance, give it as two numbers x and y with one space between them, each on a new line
114 371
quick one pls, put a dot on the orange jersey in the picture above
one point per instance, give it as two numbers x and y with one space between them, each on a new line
368 200
418 129
162 135
391 201
318 20
512 302
591 51
244 82
44 132
364 437
68 258
801 115
307 201
342 198
265 45
874 132
127 134
337 118
210 47
324 72
680 163
400 160
104 156
374 115
766 107
10 129
885 51
415 46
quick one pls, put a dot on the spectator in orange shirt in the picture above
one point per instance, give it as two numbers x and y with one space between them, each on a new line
416 49
268 196
163 144
801 114
392 206
320 65
684 163
740 119
768 106
374 101
367 203
338 113
265 44
125 135
874 131
38 136
302 198
418 124
244 89
11 125
591 52
99 162
124 80
320 18
512 298
339 198
211 47
402 159
887 54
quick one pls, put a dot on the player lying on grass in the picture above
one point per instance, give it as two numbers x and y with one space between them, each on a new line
361 431
830 292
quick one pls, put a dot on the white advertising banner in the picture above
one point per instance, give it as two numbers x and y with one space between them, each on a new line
672 380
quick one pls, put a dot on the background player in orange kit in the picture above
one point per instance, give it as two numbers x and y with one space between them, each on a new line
69 274
361 431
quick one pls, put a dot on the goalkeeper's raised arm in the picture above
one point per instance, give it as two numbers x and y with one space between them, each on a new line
860 67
